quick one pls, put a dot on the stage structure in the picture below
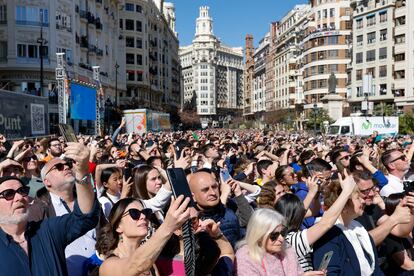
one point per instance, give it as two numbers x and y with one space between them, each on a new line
99 101
61 87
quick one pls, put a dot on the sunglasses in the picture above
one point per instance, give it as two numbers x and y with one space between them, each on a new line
275 235
28 159
367 191
402 158
10 193
61 166
345 158
135 214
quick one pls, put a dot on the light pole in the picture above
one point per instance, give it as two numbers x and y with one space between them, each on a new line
41 41
116 84
315 110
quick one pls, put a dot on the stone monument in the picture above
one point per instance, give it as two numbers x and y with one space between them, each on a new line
333 102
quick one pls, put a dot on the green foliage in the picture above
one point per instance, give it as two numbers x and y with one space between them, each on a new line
384 109
406 123
321 116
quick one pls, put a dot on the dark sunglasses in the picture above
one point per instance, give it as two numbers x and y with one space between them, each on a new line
10 193
61 166
402 157
275 235
135 214
28 159
345 158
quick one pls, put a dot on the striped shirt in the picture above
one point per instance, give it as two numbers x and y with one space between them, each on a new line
299 242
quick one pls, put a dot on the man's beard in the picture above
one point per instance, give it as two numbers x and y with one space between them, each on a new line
14 219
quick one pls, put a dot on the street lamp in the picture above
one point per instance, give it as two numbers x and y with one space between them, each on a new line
41 42
116 84
315 111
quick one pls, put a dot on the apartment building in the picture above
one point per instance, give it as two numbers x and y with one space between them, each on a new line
326 49
152 64
259 78
248 77
213 72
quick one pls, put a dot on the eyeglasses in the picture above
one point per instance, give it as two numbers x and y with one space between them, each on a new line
346 157
61 166
28 159
135 214
367 191
402 158
10 193
275 235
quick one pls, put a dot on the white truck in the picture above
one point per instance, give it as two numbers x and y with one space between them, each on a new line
364 126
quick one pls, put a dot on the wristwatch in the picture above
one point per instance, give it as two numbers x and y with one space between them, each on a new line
87 179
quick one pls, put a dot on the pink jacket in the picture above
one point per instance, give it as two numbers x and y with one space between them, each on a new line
270 265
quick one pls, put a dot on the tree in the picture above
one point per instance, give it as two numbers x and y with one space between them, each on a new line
383 109
406 123
321 116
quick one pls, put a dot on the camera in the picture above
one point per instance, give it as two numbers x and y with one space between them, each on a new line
408 186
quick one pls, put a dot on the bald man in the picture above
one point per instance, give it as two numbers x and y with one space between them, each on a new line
206 194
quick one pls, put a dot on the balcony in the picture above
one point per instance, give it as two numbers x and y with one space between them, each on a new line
31 23
85 66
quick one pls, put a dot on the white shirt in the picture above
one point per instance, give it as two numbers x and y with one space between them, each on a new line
394 186
81 248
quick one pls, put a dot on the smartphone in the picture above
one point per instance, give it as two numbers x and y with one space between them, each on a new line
178 151
325 260
225 175
68 133
128 171
179 184
309 168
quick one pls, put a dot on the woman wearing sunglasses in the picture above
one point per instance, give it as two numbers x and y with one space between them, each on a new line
32 174
120 240
263 251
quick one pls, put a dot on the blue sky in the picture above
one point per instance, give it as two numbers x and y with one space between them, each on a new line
230 18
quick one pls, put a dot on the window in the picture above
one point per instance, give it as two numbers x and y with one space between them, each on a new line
21 50
332 12
359 91
400 21
360 40
371 71
139 59
130 59
383 89
359 23
121 26
383 53
332 40
383 71
333 53
139 75
383 34
138 26
359 58
399 74
370 55
383 16
130 75
334 68
139 43
32 16
32 51
370 20
138 8
3 50
400 39
129 41
129 24
3 13
359 74
399 57
371 38
129 7
325 13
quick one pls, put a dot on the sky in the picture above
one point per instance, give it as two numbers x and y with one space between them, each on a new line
232 19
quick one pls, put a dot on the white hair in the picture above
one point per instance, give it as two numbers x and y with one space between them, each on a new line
261 223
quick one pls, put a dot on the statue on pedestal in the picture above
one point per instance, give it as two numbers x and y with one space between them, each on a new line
332 83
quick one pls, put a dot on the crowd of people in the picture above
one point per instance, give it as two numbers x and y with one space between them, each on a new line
263 203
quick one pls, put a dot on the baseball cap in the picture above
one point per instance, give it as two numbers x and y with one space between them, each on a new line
49 166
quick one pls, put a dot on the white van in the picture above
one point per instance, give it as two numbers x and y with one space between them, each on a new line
364 126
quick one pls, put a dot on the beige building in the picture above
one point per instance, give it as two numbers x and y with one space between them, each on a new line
151 55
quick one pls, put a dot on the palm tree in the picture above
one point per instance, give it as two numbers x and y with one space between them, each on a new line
384 109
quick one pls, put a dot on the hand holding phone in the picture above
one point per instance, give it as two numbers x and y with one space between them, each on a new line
225 175
325 261
179 184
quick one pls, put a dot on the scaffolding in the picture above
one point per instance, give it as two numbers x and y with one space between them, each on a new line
61 87
99 101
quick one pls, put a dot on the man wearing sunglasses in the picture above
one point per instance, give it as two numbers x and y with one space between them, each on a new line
57 199
397 165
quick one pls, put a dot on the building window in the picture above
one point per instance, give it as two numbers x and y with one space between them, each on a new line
383 34
332 12
359 58
130 75
334 68
139 59
370 20
360 40
359 75
130 59
400 39
138 8
3 50
370 55
333 53
332 40
139 76
371 38
32 16
359 91
400 21
21 50
139 43
121 26
383 71
383 16
129 24
399 74
371 71
383 53
129 41
399 57
3 13
383 89
359 23
129 7
139 26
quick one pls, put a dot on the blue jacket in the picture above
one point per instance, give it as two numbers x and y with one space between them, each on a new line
344 259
